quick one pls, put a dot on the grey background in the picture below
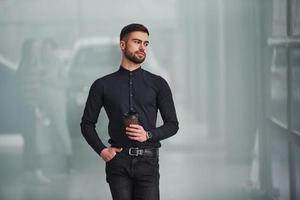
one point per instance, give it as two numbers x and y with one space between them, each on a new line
218 58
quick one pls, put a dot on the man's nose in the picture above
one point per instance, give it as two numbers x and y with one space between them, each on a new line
143 47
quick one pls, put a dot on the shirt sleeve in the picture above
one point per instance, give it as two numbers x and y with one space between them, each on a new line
90 117
168 113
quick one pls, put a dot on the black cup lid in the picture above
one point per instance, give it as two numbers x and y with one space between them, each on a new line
131 114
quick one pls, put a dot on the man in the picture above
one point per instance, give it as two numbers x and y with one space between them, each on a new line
131 96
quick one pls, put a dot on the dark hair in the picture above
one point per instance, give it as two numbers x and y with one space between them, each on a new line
131 28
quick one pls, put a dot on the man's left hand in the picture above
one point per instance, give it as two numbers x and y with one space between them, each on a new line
136 132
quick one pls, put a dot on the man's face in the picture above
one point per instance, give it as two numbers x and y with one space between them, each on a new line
135 46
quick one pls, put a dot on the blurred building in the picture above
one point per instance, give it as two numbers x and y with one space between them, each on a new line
243 82
234 66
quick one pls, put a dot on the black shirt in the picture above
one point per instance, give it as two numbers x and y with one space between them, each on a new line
147 92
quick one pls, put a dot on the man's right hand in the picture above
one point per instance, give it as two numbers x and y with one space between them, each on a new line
109 153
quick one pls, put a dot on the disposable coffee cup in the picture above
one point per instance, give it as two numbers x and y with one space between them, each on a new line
130 118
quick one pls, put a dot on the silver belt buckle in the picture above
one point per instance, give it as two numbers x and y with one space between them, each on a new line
137 151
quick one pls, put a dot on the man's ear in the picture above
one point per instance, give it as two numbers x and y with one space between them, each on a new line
122 44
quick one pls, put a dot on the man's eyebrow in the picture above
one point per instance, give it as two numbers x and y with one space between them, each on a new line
136 39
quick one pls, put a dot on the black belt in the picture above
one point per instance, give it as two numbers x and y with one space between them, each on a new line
134 151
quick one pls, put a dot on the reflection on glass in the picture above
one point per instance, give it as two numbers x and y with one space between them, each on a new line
96 56
295 17
93 58
279 86
295 66
280 168
279 26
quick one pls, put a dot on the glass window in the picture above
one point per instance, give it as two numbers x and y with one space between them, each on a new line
296 157
295 23
279 26
279 86
295 67
280 168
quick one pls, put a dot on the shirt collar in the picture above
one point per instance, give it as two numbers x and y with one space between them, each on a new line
126 71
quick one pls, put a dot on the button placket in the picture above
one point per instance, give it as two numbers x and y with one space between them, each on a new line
131 91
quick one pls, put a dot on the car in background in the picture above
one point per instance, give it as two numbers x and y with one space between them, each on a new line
92 58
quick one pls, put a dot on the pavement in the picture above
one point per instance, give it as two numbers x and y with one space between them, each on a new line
190 169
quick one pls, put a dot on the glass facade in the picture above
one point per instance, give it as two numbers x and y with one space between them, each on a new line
295 15
284 101
280 168
295 96
279 22
279 86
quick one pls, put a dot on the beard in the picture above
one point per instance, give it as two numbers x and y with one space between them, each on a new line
133 57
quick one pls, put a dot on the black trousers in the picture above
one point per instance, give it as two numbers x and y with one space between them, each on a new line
133 178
